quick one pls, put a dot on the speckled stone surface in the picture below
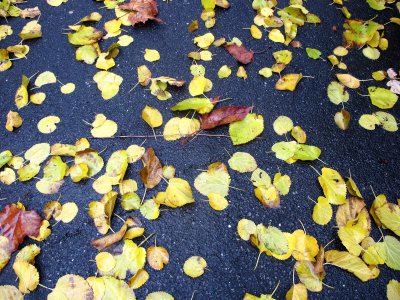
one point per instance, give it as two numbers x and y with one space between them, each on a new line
196 229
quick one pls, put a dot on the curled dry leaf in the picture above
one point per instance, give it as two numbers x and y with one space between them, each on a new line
224 115
141 11
106 241
151 172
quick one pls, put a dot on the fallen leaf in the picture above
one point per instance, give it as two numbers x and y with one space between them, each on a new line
224 115
17 223
157 257
240 53
194 266
141 11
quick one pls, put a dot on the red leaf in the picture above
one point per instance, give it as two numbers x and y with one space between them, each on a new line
17 223
152 169
240 53
224 115
141 11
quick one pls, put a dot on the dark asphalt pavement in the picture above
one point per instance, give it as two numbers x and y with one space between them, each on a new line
372 156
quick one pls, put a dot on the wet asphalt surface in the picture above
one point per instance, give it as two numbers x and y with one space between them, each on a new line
196 229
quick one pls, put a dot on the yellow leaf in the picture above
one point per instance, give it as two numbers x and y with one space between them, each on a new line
297 292
283 125
44 232
151 55
242 162
217 202
105 262
150 209
322 212
305 271
393 290
68 88
224 72
157 257
348 80
102 127
31 30
268 196
178 192
71 287
197 86
276 36
246 130
204 41
28 253
37 98
125 40
14 120
215 180
333 186
10 292
152 116
288 82
246 228
139 279
108 83
194 266
69 211
351 263
37 153
134 152
28 276
306 246
255 32
159 296
45 78
177 128
48 124
101 211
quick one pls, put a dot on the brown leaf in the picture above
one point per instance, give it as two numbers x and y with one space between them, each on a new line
319 263
349 210
16 223
224 115
142 10
152 169
108 240
240 53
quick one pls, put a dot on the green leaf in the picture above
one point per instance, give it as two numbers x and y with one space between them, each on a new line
313 53
246 130
392 247
336 93
201 105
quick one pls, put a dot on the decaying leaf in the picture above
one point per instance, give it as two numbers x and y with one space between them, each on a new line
152 170
240 53
16 223
157 257
14 120
140 11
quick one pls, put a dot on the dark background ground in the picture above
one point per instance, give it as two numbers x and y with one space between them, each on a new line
197 229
